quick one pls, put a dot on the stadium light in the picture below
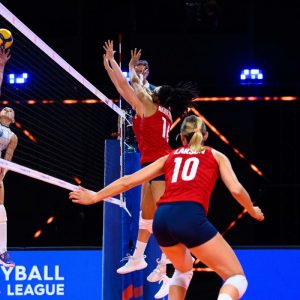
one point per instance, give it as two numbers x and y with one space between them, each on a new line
251 76
17 78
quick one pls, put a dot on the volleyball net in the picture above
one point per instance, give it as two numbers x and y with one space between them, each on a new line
62 119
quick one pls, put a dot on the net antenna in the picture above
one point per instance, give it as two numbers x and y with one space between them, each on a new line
121 129
75 74
120 125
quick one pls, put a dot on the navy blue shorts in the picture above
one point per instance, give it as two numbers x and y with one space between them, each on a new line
158 178
182 222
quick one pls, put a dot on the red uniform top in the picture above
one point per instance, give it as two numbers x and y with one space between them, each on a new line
136 124
190 176
154 135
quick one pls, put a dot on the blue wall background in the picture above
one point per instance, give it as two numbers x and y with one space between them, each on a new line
273 274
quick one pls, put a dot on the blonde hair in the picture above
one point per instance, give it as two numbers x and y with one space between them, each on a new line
193 129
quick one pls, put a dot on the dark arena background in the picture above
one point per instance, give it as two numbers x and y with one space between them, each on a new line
62 129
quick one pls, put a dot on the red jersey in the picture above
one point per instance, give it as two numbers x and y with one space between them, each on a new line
154 135
190 176
136 124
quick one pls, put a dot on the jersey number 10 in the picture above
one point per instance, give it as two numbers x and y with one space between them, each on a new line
188 170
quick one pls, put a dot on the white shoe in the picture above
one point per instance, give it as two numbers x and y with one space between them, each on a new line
158 273
164 289
133 264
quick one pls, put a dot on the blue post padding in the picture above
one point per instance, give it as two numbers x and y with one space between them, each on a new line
130 226
130 231
112 234
120 234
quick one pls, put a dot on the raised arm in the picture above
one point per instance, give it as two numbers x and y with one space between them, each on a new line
120 82
235 187
122 184
136 82
4 57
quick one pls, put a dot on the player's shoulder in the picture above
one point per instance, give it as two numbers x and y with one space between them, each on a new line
14 137
219 156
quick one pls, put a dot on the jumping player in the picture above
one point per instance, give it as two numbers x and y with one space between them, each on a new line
8 144
151 125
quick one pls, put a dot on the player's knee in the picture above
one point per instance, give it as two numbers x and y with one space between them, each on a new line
145 224
182 279
224 297
239 282
3 216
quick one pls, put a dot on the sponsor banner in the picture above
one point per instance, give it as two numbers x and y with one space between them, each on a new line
53 274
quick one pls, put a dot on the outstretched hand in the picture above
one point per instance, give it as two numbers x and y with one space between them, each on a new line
135 56
4 56
109 49
258 214
81 196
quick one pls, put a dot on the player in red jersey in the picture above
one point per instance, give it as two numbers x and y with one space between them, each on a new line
154 132
151 126
180 224
148 206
